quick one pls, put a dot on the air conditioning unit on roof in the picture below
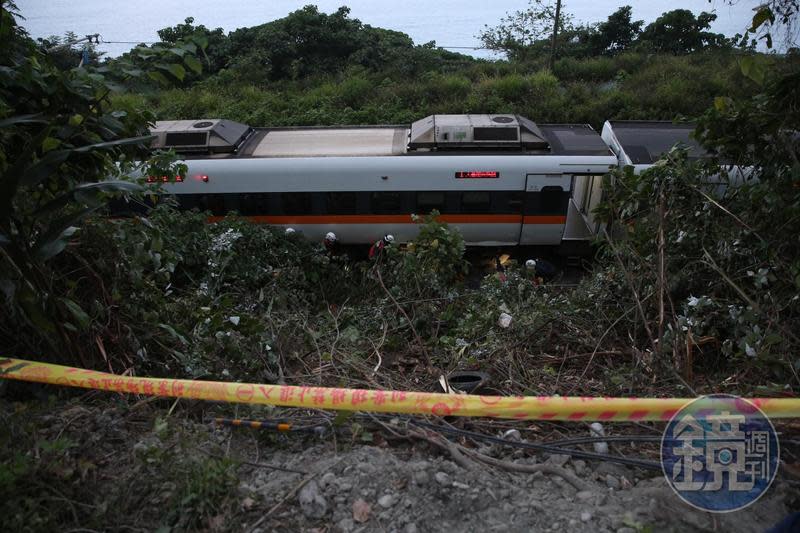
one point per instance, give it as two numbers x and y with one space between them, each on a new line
207 135
476 132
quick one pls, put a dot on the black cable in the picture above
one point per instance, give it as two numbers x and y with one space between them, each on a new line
614 438
641 463
545 447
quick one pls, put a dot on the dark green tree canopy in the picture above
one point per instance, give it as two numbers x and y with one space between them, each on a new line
681 32
218 50
616 34
308 42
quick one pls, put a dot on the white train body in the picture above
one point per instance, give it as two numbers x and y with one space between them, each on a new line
501 180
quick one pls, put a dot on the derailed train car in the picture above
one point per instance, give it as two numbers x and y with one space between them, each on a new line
502 180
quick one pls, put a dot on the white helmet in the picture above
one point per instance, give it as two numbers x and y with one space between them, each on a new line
289 231
331 236
389 238
530 264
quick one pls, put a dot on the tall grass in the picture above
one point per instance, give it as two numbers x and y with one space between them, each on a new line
629 86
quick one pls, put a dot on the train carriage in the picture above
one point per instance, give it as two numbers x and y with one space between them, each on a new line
500 179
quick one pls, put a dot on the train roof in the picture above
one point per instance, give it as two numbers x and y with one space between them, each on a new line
213 138
644 142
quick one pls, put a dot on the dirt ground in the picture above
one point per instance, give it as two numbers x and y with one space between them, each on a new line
100 463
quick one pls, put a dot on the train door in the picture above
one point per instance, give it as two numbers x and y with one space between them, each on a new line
587 191
545 208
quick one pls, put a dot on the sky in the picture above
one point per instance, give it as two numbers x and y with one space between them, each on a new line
451 23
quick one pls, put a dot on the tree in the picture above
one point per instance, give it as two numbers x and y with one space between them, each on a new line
61 148
527 33
218 42
680 32
723 255
775 18
616 34
302 43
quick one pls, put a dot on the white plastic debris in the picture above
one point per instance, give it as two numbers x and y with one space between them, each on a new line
234 320
512 434
596 430
749 350
504 321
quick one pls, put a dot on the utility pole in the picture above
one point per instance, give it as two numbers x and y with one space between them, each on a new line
95 36
555 35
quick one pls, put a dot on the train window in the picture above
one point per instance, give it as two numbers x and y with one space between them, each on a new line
553 200
296 203
212 202
475 202
512 202
428 201
341 203
385 202
251 204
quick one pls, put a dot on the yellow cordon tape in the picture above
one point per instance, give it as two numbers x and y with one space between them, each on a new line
380 401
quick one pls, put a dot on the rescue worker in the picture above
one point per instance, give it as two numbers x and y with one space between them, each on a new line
530 272
377 248
540 269
500 270
331 244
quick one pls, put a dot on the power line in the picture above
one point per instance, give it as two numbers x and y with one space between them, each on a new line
103 41
129 42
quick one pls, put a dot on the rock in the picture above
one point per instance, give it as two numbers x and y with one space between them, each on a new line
442 478
458 485
612 468
491 451
411 528
328 479
579 466
504 321
586 516
626 529
612 482
557 459
311 500
346 524
366 468
624 483
386 501
421 478
512 435
361 511
584 495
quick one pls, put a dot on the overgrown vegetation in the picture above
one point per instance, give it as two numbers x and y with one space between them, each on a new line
697 272
694 289
109 467
310 68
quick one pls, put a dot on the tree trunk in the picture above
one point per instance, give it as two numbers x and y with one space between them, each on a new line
555 35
